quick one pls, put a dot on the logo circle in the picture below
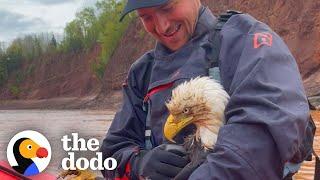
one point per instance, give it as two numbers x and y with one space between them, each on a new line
29 152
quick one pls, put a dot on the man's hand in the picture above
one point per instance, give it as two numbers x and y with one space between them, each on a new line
163 162
198 158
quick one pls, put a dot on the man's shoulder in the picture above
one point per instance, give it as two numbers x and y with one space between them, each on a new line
143 62
244 24
139 73
243 31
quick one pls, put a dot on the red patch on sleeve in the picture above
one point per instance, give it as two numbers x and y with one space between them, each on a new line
263 38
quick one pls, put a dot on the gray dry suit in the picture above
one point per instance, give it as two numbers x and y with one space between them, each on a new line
266 116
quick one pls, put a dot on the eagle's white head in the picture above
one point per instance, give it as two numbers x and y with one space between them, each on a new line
200 101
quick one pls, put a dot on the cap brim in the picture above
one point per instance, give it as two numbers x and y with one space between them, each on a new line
137 4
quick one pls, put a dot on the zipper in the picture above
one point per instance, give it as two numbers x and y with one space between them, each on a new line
146 106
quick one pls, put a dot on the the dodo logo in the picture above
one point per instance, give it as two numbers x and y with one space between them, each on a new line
29 152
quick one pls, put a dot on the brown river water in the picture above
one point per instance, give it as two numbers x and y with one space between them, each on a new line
54 124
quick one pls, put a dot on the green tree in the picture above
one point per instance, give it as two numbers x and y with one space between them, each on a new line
27 46
14 56
37 46
111 30
2 48
88 23
53 42
73 37
52 47
3 69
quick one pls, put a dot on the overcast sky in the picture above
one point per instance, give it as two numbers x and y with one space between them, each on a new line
19 17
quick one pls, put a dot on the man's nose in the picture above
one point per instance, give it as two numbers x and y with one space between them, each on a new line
162 24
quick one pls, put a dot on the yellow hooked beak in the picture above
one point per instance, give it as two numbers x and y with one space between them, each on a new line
174 126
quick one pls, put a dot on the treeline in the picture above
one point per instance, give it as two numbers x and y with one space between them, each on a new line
22 50
93 25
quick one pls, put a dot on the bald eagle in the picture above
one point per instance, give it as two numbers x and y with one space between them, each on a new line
200 101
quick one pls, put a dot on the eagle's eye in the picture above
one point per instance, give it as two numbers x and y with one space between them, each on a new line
186 111
29 147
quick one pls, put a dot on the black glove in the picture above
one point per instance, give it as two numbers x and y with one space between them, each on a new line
198 158
162 162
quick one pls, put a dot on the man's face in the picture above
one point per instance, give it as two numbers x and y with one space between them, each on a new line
173 23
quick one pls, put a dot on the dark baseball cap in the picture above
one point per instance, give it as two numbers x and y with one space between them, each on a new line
137 4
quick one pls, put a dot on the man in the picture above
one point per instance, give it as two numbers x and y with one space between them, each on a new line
267 114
